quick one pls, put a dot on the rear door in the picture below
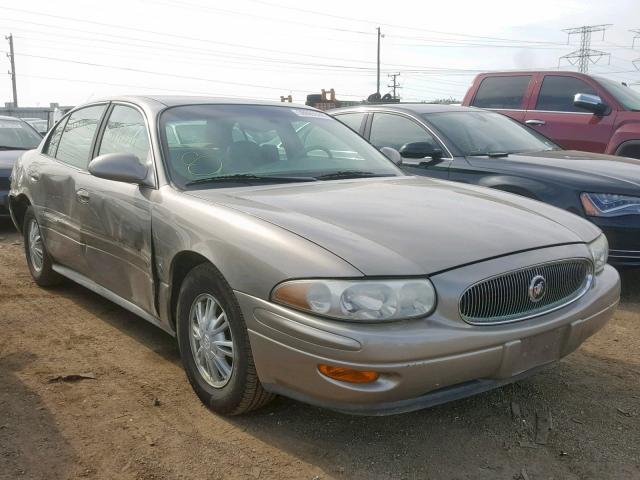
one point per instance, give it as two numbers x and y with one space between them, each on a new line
116 216
553 114
395 130
506 94
56 192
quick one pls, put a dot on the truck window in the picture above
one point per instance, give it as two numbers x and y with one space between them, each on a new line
557 92
502 92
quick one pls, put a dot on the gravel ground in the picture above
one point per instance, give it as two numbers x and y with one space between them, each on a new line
137 418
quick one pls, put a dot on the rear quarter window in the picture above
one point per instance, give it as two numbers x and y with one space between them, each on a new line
502 92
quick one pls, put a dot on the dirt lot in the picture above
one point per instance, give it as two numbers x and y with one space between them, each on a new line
138 418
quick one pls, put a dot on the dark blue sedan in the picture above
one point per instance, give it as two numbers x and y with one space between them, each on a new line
485 148
16 136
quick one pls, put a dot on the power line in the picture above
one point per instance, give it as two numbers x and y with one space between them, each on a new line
584 54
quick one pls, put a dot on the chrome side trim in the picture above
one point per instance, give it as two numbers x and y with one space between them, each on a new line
109 295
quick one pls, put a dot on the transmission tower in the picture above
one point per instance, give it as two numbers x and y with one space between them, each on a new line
394 84
636 62
585 54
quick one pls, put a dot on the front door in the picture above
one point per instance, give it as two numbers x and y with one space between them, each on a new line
116 219
394 130
556 117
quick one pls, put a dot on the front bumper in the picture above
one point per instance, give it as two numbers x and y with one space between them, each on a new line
4 203
421 362
623 235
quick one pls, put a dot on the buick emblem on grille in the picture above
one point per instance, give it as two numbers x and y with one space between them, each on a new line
537 288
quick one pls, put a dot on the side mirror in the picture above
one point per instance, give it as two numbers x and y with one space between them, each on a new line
119 167
591 103
420 150
392 154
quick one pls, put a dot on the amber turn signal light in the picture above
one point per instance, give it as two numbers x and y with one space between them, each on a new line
348 374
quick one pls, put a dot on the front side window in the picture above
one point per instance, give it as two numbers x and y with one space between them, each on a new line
388 130
352 120
627 96
502 92
557 92
16 135
74 147
265 141
481 133
125 132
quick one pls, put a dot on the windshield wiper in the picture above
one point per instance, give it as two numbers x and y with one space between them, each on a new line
8 147
489 154
350 174
239 177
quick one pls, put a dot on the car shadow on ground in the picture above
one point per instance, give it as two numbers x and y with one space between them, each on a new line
29 436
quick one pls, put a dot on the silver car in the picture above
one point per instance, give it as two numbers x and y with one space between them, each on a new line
289 256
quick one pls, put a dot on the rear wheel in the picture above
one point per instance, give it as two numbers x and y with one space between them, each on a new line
214 344
38 258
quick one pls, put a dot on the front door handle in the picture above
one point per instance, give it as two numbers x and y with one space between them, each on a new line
82 195
34 176
535 123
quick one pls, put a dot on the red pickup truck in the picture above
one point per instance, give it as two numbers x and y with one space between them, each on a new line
575 110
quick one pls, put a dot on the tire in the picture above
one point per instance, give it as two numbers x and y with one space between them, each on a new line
241 391
40 267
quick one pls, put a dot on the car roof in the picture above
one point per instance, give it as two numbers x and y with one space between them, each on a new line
415 108
8 117
175 100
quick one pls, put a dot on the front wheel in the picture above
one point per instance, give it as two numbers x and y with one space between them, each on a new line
38 258
214 344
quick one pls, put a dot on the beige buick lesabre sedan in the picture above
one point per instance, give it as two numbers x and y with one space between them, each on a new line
289 256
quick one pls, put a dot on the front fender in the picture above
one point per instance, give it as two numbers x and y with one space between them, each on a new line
627 134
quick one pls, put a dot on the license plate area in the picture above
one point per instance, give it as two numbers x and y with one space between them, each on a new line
538 350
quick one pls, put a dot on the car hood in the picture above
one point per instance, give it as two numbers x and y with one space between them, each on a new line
581 167
407 225
8 158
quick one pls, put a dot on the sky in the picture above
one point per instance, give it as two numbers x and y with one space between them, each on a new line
71 52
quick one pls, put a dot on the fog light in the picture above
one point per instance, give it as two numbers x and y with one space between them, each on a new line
348 374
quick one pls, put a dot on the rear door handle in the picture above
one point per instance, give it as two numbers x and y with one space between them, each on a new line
535 122
82 195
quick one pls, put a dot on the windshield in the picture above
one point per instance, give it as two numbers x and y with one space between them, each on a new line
250 142
16 135
627 96
481 133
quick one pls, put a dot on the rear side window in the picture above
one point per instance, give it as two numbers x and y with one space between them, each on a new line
352 120
125 132
52 145
74 147
557 92
502 92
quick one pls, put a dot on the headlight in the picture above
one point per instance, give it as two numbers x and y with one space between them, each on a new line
599 249
359 300
609 204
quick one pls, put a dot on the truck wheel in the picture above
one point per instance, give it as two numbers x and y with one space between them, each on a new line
214 344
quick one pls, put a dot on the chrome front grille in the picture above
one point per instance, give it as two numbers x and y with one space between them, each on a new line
511 296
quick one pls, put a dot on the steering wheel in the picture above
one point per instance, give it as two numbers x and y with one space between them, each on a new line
318 147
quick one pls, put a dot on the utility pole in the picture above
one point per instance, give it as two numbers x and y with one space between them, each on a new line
394 85
584 54
13 70
378 65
